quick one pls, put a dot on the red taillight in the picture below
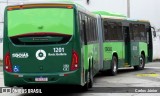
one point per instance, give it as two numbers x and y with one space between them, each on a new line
8 65
74 65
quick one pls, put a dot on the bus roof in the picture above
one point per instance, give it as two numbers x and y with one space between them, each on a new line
121 19
78 6
116 16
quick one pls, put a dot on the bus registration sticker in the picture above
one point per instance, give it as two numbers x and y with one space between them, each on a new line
40 79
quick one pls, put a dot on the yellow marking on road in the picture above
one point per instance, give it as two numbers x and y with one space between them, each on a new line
148 75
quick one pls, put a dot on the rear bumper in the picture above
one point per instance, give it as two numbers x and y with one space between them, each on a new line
20 79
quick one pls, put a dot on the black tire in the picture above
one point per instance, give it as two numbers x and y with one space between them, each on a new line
90 77
86 86
89 83
141 63
114 66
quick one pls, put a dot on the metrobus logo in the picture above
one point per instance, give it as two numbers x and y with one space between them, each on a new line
40 54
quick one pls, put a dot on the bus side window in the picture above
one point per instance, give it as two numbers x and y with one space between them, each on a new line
126 34
136 32
131 32
92 29
81 27
95 30
86 28
142 32
84 31
106 31
119 32
89 29
112 31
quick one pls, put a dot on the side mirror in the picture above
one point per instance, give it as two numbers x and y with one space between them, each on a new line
154 32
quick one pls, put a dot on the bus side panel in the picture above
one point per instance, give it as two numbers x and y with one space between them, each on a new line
95 58
109 49
91 56
5 45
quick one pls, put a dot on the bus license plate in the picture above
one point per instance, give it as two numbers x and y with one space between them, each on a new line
41 79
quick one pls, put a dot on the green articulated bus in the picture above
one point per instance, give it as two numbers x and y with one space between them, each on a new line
50 44
63 43
124 43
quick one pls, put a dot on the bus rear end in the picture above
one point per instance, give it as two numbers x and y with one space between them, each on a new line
39 45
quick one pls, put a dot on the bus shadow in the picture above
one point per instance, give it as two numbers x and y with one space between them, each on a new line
129 70
119 72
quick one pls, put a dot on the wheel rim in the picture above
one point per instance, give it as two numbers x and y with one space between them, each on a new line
141 62
114 66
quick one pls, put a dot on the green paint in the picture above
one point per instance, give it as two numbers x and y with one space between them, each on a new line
58 20
72 78
90 55
134 55
143 47
109 48
53 63
131 57
114 47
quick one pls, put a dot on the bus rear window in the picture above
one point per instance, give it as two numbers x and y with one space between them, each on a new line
34 22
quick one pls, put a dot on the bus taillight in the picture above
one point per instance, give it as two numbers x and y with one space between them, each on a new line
8 65
75 58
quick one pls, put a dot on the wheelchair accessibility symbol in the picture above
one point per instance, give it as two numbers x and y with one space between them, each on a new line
16 69
40 54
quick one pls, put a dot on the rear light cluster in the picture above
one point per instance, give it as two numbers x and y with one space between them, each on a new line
75 59
7 65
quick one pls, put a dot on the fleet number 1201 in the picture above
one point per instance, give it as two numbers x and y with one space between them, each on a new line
58 49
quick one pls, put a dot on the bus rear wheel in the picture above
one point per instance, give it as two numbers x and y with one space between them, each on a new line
90 78
114 66
89 82
141 63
